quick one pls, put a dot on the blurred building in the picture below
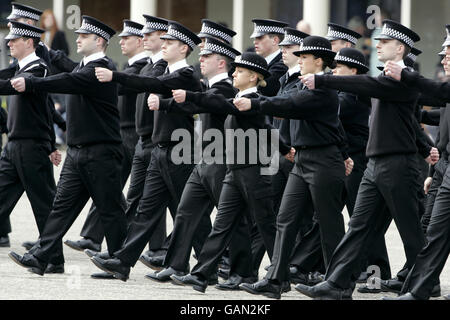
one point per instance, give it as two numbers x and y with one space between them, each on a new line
427 18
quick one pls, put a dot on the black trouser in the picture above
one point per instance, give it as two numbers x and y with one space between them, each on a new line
439 171
25 166
5 223
244 191
164 182
141 162
89 172
317 178
201 194
389 181
92 228
431 260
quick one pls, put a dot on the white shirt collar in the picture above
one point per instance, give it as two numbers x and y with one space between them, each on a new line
293 70
178 65
272 56
137 57
28 59
93 57
247 91
156 57
217 78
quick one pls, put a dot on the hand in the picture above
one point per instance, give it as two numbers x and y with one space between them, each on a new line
348 166
153 102
55 158
103 74
179 95
427 184
243 104
18 84
434 155
393 70
291 155
309 81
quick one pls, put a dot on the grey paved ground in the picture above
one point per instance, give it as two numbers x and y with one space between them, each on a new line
17 283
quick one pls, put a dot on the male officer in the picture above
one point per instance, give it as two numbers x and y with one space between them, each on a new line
131 43
93 164
341 37
24 163
165 180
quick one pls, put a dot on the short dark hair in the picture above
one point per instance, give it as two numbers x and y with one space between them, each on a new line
188 51
36 41
327 61
278 35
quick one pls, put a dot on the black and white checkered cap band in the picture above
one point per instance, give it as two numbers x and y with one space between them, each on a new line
131 30
397 35
181 36
347 59
24 33
447 41
23 13
309 48
212 47
292 38
216 33
239 60
268 29
413 57
341 35
95 30
156 26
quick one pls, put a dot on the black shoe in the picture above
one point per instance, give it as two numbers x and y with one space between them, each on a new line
190 280
407 296
155 253
164 275
113 266
298 277
285 287
28 261
263 287
365 289
155 263
84 244
436 292
324 291
55 268
29 244
362 277
223 273
103 276
4 242
392 285
104 254
234 281
315 278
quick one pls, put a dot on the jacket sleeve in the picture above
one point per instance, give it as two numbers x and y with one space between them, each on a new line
82 82
439 90
60 62
273 82
382 87
302 104
214 103
8 73
431 117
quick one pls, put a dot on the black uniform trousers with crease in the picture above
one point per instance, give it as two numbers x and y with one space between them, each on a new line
388 191
26 167
317 179
91 171
164 182
92 228
244 192
431 260
200 196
